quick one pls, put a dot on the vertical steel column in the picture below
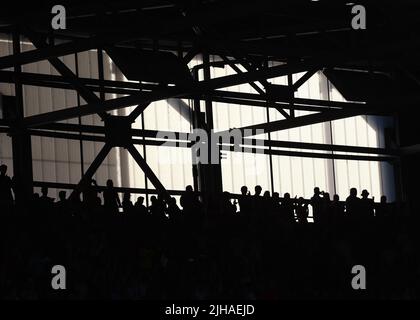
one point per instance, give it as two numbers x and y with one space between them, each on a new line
213 172
270 156
21 140
79 120
398 170
196 124
329 139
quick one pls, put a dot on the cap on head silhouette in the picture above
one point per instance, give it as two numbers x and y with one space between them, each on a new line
365 193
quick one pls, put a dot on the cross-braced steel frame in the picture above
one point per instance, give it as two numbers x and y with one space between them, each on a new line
254 71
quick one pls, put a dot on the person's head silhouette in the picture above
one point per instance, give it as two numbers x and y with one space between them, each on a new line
365 194
353 192
44 191
3 169
286 195
258 190
109 183
244 190
316 191
189 188
336 198
140 200
153 199
383 199
62 195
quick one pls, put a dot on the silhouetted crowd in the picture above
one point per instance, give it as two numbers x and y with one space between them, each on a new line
257 246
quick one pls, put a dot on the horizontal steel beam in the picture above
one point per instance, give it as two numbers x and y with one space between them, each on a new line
297 122
222 96
249 146
170 92
47 52
71 186
67 127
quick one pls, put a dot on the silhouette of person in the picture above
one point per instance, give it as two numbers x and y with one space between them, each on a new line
173 210
245 201
287 209
302 211
366 205
353 204
111 199
153 208
275 206
258 191
6 197
266 204
326 208
337 209
317 205
45 199
127 204
62 203
140 208
190 203
383 209
257 201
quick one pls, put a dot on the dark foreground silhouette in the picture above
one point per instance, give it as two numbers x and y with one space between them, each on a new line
266 250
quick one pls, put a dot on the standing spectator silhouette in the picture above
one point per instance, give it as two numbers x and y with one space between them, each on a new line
127 204
111 199
317 205
337 209
366 206
6 197
245 202
353 204
302 211
173 210
257 202
190 203
287 209
62 203
91 199
140 208
275 206
326 208
45 199
383 209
